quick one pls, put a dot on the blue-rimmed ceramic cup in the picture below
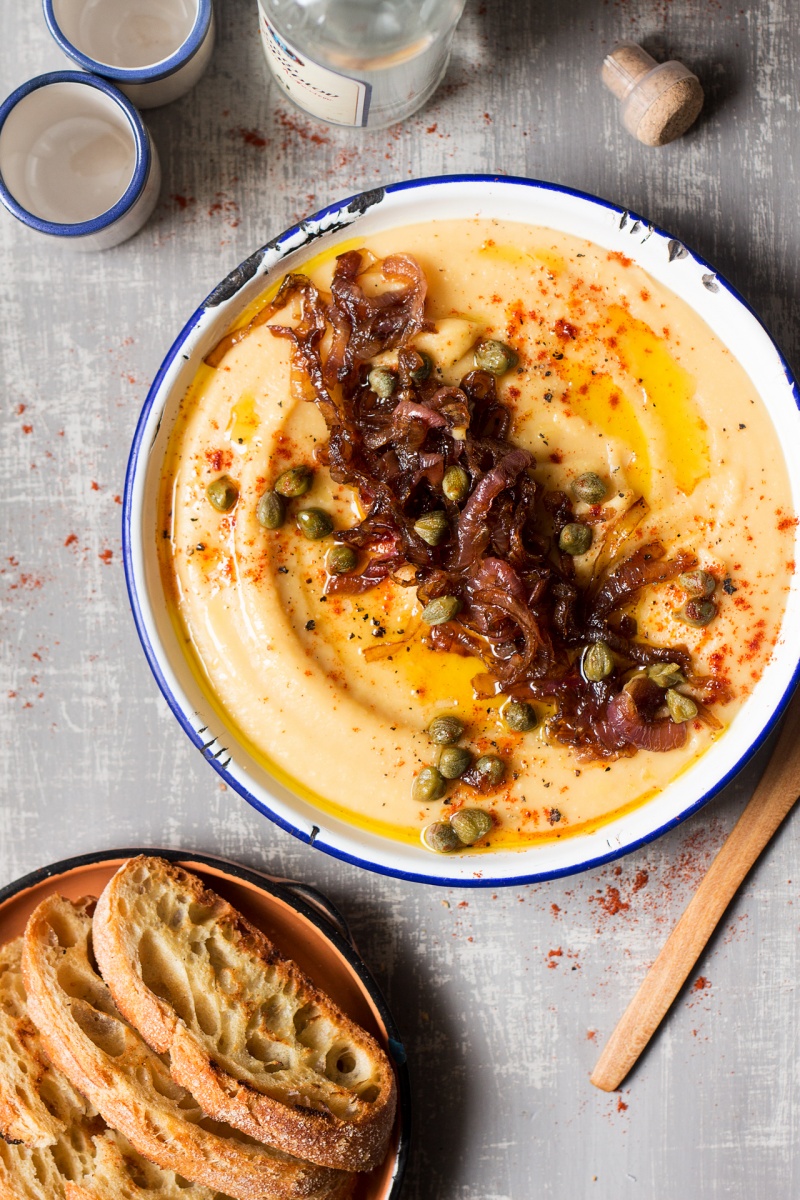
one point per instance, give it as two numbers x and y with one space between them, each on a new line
528 202
76 161
153 50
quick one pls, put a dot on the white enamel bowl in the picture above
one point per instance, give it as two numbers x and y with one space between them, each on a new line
668 261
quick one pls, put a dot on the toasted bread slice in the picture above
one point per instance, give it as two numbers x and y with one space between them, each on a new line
129 1085
69 1153
37 1103
256 1042
90 1162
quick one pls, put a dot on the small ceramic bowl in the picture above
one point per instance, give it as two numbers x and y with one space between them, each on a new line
302 922
153 50
529 202
76 161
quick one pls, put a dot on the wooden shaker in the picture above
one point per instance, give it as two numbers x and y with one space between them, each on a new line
659 101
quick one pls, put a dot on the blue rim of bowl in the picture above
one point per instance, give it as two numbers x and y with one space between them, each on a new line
283 891
160 70
141 169
354 204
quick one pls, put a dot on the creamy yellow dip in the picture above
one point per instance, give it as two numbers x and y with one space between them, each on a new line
616 375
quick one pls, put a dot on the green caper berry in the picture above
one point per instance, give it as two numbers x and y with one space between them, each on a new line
455 484
314 523
698 585
433 527
441 837
491 768
421 372
222 493
453 761
271 510
698 613
340 560
445 731
575 538
598 662
519 716
428 786
681 708
294 482
589 488
471 824
494 357
382 381
444 608
666 675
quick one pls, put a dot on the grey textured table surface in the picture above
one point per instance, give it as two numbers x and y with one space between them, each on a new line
501 1032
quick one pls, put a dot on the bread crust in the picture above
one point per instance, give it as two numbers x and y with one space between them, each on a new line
293 1108
27 1079
131 1088
56 1144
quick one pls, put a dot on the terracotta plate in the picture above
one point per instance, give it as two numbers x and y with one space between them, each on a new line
301 922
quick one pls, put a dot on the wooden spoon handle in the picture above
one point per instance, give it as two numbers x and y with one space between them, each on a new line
772 800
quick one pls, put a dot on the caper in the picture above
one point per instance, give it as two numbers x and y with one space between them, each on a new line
491 768
314 523
455 484
519 716
666 675
698 585
453 761
428 786
597 662
445 731
294 482
340 560
382 381
681 708
589 488
271 510
575 538
433 527
471 824
698 612
494 357
442 609
222 493
441 837
420 372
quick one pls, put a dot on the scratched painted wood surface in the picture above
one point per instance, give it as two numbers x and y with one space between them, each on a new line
503 999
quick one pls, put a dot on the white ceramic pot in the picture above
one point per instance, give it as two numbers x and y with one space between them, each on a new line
533 203
77 163
152 50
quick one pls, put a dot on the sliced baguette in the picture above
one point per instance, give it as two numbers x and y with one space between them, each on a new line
85 1164
129 1085
69 1153
255 1041
37 1103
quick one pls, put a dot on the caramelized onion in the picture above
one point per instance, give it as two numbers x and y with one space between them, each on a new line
625 721
524 612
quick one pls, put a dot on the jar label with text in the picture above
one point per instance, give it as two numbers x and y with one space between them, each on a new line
323 93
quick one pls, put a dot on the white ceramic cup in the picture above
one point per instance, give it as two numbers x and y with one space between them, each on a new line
152 50
76 161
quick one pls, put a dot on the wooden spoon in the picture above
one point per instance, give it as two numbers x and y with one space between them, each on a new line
772 800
